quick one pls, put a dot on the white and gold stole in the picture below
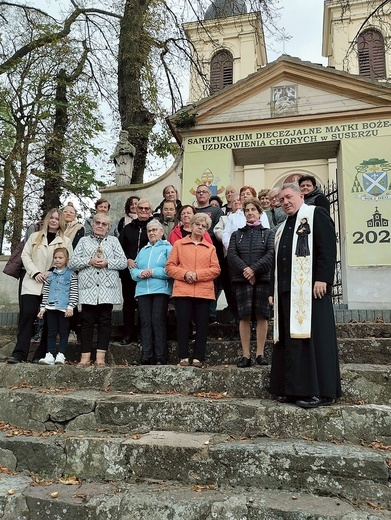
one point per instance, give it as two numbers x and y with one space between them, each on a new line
301 280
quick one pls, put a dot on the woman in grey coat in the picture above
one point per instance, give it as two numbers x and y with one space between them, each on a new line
98 258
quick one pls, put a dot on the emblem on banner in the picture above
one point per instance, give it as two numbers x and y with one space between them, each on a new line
209 180
371 180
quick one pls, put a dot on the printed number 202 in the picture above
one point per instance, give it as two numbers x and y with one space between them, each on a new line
371 237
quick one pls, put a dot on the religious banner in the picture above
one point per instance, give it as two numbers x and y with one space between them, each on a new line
213 170
366 200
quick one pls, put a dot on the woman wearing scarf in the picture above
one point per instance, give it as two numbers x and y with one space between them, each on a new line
250 257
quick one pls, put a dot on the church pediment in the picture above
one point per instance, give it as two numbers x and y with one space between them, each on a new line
290 88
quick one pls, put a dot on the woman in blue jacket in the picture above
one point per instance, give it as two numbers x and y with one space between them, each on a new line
153 290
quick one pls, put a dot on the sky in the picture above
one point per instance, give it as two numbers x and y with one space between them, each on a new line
303 20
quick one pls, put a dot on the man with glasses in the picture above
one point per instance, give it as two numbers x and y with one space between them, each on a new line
275 214
133 237
203 195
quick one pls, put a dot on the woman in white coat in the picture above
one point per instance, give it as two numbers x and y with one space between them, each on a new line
98 258
37 258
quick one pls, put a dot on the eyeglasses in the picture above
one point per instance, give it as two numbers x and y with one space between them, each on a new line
199 192
141 208
69 213
153 230
100 223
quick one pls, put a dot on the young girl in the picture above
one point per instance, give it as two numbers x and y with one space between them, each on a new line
60 297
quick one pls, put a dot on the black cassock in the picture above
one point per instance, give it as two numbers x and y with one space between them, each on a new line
307 367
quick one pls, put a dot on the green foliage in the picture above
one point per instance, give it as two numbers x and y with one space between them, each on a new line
184 119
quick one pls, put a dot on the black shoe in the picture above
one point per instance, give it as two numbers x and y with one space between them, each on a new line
314 402
160 363
125 342
35 361
286 399
13 360
140 362
261 360
244 363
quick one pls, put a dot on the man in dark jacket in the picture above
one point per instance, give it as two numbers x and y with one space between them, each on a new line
132 238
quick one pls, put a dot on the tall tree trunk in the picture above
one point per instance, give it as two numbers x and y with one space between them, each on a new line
53 161
54 158
134 48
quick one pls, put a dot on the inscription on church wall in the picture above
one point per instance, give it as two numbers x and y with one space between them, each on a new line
291 136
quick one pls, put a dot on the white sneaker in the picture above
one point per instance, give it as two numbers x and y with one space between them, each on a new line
47 360
60 359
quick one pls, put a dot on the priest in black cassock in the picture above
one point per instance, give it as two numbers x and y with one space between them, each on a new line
305 367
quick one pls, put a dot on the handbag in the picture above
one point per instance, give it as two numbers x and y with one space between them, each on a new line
14 266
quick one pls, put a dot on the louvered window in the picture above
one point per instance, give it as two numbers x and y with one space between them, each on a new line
221 71
371 56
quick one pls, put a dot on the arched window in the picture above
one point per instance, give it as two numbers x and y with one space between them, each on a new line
371 56
221 71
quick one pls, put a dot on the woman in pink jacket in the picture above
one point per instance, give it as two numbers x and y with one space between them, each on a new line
193 265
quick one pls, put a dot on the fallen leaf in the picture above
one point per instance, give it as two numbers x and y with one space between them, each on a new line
69 481
54 494
11 491
136 436
212 395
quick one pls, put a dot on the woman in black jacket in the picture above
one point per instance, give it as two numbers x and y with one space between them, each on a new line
250 258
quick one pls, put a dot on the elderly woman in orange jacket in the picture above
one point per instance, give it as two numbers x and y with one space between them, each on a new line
194 265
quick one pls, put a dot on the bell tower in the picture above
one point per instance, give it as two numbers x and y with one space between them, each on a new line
227 46
355 39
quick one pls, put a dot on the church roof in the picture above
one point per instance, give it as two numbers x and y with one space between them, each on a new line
225 8
332 93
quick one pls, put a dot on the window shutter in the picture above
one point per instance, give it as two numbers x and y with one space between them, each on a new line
221 71
371 55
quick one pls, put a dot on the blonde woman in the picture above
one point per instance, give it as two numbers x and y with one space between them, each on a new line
37 258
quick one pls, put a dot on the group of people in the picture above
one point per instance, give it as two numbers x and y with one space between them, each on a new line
266 251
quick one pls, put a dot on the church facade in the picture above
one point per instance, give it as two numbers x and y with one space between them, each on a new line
290 118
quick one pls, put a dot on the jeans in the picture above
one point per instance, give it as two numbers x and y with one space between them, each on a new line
57 324
152 310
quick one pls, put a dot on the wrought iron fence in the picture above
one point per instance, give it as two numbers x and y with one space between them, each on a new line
331 192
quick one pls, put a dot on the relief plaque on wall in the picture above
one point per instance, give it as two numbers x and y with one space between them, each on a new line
284 100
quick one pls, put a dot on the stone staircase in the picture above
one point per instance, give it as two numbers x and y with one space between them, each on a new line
179 443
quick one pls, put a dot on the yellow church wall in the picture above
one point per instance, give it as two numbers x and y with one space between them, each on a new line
277 173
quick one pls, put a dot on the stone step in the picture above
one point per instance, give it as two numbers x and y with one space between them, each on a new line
160 501
360 383
351 472
220 351
116 412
